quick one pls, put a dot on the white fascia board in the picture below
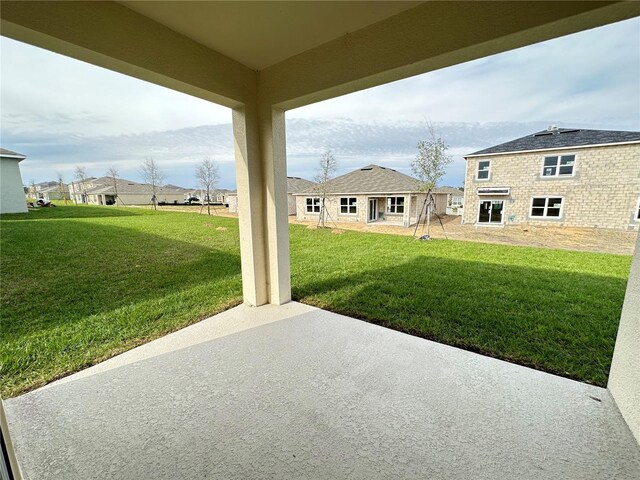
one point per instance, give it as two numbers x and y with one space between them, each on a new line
13 157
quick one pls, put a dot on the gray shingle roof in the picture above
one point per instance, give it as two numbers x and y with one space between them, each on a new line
370 179
297 184
4 151
562 137
105 186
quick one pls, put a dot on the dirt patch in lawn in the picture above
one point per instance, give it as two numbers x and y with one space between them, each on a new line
569 238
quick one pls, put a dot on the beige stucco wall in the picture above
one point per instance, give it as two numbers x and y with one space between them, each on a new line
12 199
602 193
624 376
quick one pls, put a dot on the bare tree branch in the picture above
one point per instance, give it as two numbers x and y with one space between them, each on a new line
80 174
431 161
62 189
328 166
208 175
113 173
152 176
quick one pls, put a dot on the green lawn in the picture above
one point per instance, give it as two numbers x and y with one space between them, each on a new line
80 284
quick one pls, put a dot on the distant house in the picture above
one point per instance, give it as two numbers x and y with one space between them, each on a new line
54 191
294 186
11 188
101 191
455 200
557 177
371 194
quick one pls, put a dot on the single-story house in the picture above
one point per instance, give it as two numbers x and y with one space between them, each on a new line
11 188
294 186
53 192
455 199
565 177
101 191
371 194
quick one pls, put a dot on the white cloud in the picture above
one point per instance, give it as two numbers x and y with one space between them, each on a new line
46 92
62 112
590 78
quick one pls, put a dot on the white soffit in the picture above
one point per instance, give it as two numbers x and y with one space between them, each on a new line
260 34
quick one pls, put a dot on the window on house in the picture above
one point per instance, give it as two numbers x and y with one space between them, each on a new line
313 204
395 205
349 205
546 207
558 166
637 217
484 168
456 202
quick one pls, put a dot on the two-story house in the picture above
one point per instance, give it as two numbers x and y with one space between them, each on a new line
559 177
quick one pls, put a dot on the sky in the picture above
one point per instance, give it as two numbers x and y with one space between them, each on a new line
61 112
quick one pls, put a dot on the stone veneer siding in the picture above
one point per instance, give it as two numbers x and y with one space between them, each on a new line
603 192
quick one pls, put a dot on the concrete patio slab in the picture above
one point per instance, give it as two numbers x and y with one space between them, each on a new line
298 392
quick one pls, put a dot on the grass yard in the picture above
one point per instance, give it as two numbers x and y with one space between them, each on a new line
80 284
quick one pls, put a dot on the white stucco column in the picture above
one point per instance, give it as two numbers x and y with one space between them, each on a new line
261 177
624 376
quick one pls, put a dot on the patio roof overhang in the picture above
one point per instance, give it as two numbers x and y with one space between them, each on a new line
277 56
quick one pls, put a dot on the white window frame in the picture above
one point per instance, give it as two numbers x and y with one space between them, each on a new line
348 206
636 213
458 204
392 207
559 157
315 202
488 170
546 206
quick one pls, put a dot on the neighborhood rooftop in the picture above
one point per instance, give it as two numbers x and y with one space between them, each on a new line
553 138
297 184
371 179
104 185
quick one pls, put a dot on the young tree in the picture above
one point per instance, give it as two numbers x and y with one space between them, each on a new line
80 174
328 166
430 165
113 173
152 176
207 175
62 189
32 191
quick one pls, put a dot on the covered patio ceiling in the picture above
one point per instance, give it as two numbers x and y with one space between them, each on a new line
296 52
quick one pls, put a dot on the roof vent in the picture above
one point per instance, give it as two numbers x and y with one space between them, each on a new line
366 168
570 131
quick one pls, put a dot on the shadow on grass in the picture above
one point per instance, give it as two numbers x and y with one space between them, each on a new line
561 322
94 269
75 292
73 211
